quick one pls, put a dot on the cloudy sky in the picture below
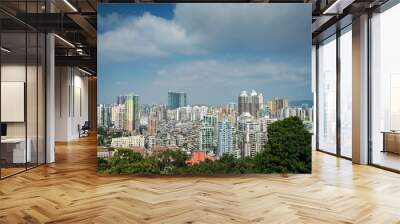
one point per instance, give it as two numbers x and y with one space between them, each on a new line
210 51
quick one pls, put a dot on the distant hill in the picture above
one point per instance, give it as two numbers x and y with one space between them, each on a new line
298 103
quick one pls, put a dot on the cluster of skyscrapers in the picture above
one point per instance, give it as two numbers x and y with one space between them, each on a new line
251 103
123 115
238 128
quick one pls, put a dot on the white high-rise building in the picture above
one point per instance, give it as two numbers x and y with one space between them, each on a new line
104 115
256 103
252 135
225 138
243 103
184 113
198 113
118 116
250 103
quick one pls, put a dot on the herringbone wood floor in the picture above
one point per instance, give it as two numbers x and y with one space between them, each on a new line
70 191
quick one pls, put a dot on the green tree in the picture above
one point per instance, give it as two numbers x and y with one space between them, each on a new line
288 149
101 131
123 159
116 134
148 165
100 140
246 165
171 160
102 165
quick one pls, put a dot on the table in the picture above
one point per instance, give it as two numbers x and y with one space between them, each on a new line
391 141
13 150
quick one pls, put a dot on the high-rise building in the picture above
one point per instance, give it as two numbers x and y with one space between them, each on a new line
225 138
159 112
243 102
118 116
132 112
100 115
250 103
252 135
208 133
310 113
198 113
173 114
152 126
231 108
256 103
184 113
120 99
207 139
104 113
210 120
276 105
176 100
305 114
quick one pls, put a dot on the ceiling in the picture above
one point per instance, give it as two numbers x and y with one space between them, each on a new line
75 22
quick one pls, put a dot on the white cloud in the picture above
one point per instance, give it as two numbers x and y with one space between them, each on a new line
146 36
207 28
247 26
208 78
223 72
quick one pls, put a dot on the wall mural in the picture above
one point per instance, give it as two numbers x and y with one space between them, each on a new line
204 89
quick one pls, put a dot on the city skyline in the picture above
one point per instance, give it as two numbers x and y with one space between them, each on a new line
239 129
173 52
116 99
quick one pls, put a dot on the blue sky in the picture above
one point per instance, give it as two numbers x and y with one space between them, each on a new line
211 51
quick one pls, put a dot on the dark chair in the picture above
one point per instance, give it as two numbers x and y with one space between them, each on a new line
84 130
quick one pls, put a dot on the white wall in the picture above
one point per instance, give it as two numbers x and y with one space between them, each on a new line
33 126
71 103
10 73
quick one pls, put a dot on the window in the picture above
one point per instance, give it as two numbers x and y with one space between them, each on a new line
22 88
327 95
346 92
385 88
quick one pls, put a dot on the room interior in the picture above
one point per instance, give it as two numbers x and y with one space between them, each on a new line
48 78
24 89
22 101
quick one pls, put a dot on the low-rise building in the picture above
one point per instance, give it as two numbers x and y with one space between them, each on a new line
128 142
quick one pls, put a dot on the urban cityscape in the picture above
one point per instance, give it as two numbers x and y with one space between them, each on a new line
238 128
224 96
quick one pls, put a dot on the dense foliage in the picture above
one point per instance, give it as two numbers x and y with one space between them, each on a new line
288 150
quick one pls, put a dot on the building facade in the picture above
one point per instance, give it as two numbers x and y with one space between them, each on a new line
251 103
176 100
128 142
132 112
225 137
152 126
252 134
276 105
104 115
121 99
118 116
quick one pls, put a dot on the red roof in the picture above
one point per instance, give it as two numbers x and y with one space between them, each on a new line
198 156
